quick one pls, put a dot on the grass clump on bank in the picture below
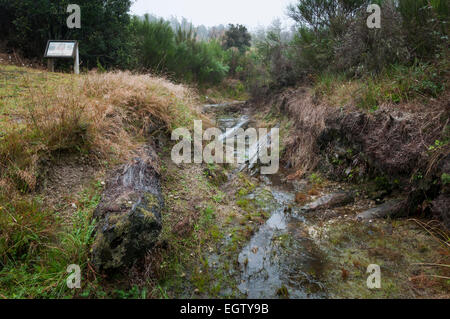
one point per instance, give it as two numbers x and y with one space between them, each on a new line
395 85
36 246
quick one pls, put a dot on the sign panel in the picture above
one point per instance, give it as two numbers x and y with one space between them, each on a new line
60 49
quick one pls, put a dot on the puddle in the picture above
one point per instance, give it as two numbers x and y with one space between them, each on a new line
280 256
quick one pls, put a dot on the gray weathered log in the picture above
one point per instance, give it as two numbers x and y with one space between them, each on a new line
129 214
330 201
391 208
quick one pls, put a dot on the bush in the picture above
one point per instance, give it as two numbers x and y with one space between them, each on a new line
426 26
103 37
154 44
178 54
202 62
313 51
271 62
361 50
332 37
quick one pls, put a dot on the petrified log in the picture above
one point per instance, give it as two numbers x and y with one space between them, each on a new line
129 214
330 201
391 208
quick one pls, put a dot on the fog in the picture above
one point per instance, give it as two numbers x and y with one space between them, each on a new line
252 13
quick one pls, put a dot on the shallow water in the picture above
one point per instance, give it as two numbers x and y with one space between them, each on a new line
278 261
279 256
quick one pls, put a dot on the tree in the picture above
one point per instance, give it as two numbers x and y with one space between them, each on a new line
319 15
154 44
237 36
103 36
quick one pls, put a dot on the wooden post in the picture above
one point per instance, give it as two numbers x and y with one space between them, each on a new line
76 67
51 65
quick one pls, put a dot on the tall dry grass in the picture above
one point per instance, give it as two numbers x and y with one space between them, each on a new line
308 122
106 115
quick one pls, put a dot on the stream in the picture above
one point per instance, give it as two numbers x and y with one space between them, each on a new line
313 238
279 260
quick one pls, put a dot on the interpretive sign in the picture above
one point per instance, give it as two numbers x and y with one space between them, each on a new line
62 49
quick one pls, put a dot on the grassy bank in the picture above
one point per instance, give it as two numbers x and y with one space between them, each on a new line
71 129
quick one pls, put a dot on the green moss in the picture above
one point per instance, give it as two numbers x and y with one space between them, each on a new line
283 292
152 200
122 225
244 204
445 178
353 246
148 214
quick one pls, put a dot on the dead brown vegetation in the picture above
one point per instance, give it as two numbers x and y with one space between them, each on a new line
107 115
402 146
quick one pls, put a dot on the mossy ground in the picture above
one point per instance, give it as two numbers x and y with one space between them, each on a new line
398 247
401 247
206 222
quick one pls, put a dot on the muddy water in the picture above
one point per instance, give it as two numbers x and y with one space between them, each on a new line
279 260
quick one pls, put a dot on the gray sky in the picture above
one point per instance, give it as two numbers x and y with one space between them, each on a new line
214 12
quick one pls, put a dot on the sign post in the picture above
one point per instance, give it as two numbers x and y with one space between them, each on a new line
51 65
62 49
76 67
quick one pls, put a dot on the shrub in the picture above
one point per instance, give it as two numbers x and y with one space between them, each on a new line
426 26
202 62
154 45
313 51
178 54
361 50
103 37
332 36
